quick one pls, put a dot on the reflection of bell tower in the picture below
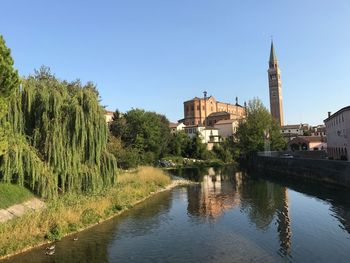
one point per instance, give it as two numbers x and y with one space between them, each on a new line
275 87
284 229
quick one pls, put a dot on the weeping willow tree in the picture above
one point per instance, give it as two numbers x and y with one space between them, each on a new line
9 80
59 138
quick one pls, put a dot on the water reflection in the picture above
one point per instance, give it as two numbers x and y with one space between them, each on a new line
230 216
261 200
215 195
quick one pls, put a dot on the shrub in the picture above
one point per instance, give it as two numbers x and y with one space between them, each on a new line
55 233
89 216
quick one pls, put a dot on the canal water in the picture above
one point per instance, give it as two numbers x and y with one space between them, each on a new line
230 216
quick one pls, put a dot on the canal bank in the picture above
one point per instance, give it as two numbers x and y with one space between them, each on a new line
325 171
74 213
230 216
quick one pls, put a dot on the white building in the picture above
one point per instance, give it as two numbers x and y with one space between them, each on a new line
338 131
226 127
174 127
208 135
294 130
319 130
109 116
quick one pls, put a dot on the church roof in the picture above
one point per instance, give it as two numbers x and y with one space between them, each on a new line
218 113
273 56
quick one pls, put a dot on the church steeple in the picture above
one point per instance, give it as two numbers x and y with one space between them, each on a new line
273 58
275 87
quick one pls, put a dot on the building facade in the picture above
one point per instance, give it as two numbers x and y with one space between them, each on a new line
307 143
208 135
226 128
175 127
289 132
338 131
275 87
207 111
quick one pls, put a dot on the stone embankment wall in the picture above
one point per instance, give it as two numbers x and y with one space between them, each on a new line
334 172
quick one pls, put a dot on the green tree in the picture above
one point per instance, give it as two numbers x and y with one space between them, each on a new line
147 132
9 81
258 129
178 143
117 126
59 138
307 133
127 157
198 150
222 153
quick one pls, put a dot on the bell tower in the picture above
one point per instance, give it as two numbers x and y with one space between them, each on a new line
275 87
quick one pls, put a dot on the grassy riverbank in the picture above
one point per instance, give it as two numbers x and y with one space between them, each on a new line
13 194
72 212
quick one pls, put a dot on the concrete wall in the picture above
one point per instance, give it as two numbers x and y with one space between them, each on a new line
328 171
296 154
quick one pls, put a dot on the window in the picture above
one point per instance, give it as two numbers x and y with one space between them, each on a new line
197 107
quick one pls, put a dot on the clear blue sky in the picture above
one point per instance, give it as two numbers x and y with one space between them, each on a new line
155 54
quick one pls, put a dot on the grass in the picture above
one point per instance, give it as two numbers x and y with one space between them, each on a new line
73 212
13 194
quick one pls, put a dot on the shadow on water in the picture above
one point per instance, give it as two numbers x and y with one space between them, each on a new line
337 197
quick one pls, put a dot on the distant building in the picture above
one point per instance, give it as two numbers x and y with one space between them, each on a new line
292 131
208 135
109 116
226 128
319 130
207 111
275 88
174 127
307 143
338 131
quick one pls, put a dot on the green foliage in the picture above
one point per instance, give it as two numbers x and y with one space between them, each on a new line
146 132
198 150
11 194
89 216
126 157
307 133
179 143
9 81
222 153
257 128
59 138
55 233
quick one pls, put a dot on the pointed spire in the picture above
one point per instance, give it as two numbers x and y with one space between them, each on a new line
273 56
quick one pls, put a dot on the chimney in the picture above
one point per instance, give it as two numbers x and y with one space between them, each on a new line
329 114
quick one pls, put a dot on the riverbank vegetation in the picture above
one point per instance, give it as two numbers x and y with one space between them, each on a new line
11 194
73 211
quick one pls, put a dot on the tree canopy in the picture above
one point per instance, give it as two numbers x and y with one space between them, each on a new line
9 81
258 129
59 137
147 132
